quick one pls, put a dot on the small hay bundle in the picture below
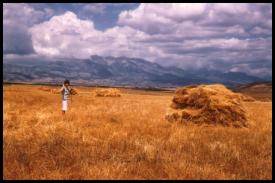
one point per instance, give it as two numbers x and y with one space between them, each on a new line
45 89
210 104
112 92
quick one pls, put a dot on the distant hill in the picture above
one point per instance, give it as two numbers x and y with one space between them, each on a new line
115 71
259 90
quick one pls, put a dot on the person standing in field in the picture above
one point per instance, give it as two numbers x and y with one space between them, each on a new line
66 91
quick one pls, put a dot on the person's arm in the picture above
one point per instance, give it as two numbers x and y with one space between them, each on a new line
61 89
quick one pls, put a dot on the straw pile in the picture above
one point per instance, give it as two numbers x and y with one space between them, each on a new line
56 91
45 89
208 104
111 92
49 90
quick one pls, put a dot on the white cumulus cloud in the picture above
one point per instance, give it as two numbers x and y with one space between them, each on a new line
68 36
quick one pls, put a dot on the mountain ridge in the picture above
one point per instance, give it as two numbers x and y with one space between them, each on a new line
116 71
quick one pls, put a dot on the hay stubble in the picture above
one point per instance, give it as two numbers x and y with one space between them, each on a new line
126 138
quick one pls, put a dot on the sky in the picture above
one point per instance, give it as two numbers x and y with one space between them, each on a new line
226 37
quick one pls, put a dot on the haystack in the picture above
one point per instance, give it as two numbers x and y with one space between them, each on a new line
56 91
111 92
44 89
208 104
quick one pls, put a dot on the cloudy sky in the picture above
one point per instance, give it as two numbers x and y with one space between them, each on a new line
226 37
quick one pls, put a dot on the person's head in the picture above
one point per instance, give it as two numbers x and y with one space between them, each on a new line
66 82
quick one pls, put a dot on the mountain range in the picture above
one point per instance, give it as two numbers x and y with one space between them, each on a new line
116 71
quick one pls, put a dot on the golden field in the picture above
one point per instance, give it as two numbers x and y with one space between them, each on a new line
126 138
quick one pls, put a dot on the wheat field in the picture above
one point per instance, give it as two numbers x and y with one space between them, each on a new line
126 138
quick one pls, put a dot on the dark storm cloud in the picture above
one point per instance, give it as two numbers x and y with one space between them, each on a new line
17 18
17 40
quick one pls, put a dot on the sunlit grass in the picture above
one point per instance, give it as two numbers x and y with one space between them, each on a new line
126 138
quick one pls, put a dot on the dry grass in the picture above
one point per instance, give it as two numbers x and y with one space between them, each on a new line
126 138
